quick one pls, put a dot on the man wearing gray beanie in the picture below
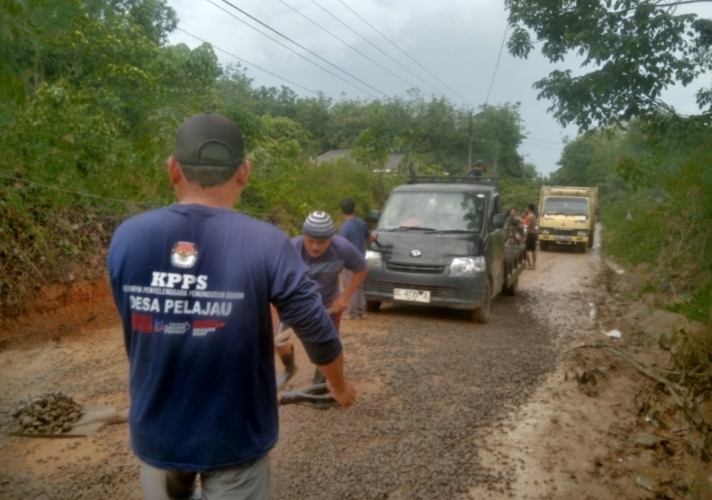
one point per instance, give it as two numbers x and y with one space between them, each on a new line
326 254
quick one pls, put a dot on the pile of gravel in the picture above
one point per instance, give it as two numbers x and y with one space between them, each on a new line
45 413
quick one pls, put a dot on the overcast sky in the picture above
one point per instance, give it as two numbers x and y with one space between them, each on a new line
456 40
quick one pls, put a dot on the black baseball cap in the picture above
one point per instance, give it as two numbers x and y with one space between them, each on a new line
209 139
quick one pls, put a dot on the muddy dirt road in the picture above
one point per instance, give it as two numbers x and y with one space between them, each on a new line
444 405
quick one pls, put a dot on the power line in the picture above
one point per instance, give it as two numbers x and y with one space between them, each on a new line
541 146
348 45
499 56
292 50
302 47
379 49
96 196
78 193
543 140
404 52
247 62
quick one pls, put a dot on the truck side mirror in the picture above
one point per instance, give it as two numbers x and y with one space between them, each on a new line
373 216
498 221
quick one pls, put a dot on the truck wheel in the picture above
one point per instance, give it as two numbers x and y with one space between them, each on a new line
590 241
373 306
582 247
512 289
482 313
543 246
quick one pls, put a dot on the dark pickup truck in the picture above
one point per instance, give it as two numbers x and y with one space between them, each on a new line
441 243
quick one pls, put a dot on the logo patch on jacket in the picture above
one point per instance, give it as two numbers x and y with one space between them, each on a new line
184 254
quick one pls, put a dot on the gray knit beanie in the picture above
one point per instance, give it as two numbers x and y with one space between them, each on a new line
319 225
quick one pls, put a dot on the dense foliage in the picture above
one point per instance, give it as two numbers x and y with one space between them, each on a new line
91 95
632 51
656 196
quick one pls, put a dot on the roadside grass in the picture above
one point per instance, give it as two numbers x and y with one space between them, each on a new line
697 306
633 240
642 230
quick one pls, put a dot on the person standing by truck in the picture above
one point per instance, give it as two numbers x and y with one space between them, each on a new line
357 232
531 235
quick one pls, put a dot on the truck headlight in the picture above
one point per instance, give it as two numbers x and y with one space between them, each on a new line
544 231
373 259
467 266
582 233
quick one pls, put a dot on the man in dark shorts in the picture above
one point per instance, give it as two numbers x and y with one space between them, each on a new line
326 254
193 283
531 236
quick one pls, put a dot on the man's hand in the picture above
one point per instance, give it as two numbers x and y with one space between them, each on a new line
345 395
341 303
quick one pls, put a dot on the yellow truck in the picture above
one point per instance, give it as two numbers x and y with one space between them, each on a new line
567 216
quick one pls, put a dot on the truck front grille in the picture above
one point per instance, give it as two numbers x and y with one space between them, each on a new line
414 268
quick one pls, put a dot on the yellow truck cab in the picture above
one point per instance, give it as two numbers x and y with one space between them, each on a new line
567 216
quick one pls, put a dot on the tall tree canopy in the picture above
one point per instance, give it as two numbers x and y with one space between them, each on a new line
633 51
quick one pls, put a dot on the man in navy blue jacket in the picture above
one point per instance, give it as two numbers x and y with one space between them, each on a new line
357 232
193 283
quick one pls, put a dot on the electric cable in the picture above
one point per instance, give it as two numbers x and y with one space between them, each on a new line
264 215
499 56
543 140
302 47
247 62
348 45
381 51
404 52
291 50
541 146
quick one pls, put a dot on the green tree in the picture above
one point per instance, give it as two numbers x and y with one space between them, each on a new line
410 143
154 19
633 50
374 141
497 133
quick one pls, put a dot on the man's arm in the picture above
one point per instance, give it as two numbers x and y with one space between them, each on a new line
342 301
373 237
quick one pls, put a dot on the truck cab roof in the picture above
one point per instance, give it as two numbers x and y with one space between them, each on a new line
449 188
451 184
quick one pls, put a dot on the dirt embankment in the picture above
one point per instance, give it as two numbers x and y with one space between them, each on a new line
58 310
447 409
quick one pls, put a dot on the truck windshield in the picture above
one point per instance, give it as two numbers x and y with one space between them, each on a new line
434 211
555 205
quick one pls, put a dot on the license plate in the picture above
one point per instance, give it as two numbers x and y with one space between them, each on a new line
562 237
412 295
